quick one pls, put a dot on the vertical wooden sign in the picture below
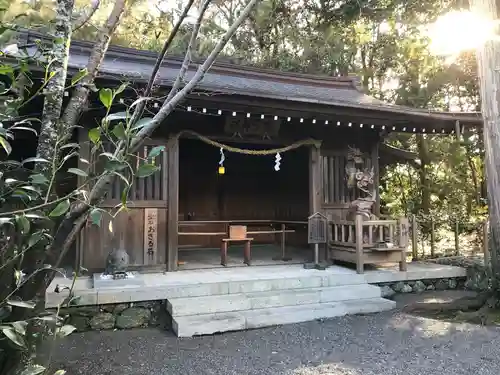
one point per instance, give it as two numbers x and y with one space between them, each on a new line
150 235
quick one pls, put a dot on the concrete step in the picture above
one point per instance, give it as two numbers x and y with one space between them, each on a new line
204 324
269 299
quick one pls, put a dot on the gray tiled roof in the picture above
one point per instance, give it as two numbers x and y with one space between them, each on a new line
262 86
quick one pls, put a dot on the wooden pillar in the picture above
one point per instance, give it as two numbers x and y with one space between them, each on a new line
376 180
173 203
314 179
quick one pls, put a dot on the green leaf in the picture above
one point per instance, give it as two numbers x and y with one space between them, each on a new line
79 76
48 318
142 123
155 151
115 165
20 194
127 183
106 97
6 145
95 135
65 330
28 120
60 209
5 220
24 304
75 300
33 370
24 128
96 216
78 172
14 336
38 179
35 238
69 156
60 372
117 116
20 327
35 216
121 88
6 69
70 145
23 224
30 188
146 170
119 131
35 160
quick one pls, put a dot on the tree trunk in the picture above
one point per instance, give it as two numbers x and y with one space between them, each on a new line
54 91
78 100
489 79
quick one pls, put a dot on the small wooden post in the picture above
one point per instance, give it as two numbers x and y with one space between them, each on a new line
433 240
457 239
414 238
486 244
358 227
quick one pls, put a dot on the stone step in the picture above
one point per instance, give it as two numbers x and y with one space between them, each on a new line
313 279
204 324
276 298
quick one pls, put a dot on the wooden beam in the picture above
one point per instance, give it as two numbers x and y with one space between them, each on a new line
173 203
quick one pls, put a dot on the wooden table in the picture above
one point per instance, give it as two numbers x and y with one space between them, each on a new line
246 250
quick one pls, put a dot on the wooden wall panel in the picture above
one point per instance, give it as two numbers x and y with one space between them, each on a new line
128 233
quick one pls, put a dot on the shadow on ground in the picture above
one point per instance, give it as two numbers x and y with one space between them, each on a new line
393 343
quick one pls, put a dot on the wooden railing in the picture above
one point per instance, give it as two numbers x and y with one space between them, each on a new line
369 242
370 233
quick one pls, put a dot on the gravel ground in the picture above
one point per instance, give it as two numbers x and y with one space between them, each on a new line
390 343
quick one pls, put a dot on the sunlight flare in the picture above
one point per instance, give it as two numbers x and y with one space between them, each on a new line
459 31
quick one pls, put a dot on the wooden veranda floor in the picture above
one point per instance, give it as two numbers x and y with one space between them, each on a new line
262 255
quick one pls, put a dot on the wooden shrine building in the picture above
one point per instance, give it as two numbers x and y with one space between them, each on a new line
200 191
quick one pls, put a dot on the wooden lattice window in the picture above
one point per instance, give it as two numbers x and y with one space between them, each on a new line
151 188
335 189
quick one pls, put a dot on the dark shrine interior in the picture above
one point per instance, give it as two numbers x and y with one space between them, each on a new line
249 189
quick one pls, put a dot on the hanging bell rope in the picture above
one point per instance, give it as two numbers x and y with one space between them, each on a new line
304 142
